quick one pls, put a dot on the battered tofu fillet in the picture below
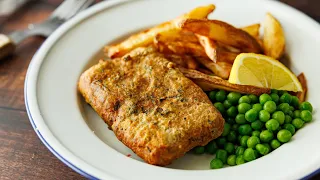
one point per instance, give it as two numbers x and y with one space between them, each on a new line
151 106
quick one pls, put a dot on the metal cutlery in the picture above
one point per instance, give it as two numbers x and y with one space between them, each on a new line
65 11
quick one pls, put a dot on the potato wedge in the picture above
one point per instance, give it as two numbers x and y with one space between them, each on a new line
273 37
177 35
221 69
221 31
183 61
253 30
302 95
215 52
145 38
210 47
180 48
205 71
178 60
209 83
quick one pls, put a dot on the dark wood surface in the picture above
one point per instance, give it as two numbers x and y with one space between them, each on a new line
22 155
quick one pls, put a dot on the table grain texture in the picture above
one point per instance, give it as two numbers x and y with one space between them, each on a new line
22 155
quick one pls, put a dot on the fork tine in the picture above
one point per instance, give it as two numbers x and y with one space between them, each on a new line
82 4
69 8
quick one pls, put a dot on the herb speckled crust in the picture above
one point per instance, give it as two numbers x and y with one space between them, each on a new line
151 106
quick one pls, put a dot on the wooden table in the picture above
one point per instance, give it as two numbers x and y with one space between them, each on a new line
22 155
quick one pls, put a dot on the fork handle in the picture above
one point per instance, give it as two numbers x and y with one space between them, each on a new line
7 46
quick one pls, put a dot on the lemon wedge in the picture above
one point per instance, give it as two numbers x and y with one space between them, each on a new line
263 71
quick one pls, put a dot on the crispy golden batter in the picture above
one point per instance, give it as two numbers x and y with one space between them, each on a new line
151 106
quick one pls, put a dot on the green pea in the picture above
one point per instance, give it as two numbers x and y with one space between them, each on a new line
306 106
244 99
226 129
229 147
295 101
245 129
212 95
230 120
231 161
267 146
234 97
279 116
251 115
281 92
287 119
232 136
221 141
291 107
257 107
274 91
220 107
221 96
297 123
266 136
256 133
240 150
290 113
264 115
275 144
244 107
253 141
249 154
240 119
256 153
211 147
253 98
306 116
290 128
284 135
227 104
235 127
272 125
243 141
240 160
199 150
232 111
262 149
284 107
222 155
270 106
239 138
286 98
257 125
216 164
264 98
296 114
275 97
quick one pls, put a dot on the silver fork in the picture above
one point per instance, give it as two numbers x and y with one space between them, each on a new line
65 11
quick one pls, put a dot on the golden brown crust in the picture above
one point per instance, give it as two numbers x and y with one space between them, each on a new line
302 95
151 107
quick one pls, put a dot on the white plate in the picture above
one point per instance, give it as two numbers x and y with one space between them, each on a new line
77 136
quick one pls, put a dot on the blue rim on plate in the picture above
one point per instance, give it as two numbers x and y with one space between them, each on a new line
72 166
61 158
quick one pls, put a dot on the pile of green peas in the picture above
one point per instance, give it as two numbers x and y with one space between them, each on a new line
254 125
